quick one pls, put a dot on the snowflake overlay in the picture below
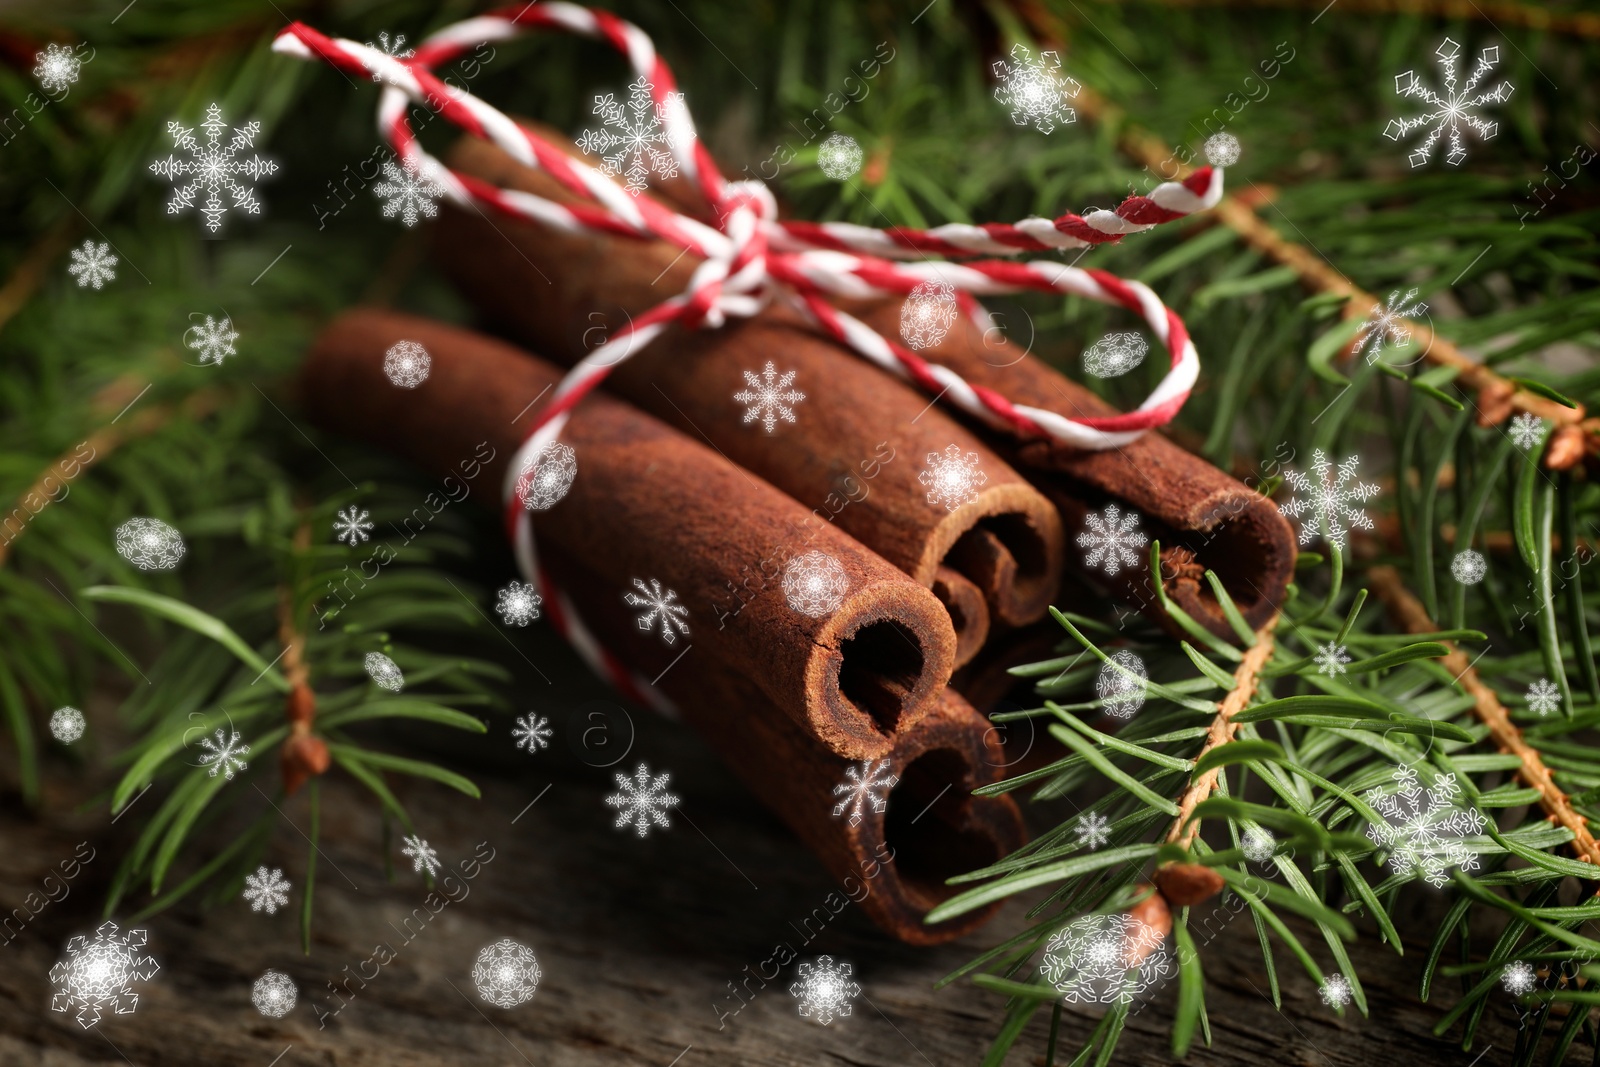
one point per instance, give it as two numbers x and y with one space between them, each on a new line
1387 324
266 890
1336 991
824 989
93 264
1035 90
839 157
1111 538
864 786
407 364
1115 354
1330 500
101 973
953 479
636 137
769 397
1452 108
1422 829
545 478
1544 697
517 604
1527 430
1093 830
1121 685
1468 567
1258 844
1090 960
642 800
815 583
213 167
506 973
274 994
1518 978
384 671
212 339
928 313
422 854
409 190
150 544
224 754
395 48
1331 659
56 68
1222 150
532 732
661 610
352 526
66 725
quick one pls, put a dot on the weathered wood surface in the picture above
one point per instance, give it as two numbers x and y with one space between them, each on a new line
637 940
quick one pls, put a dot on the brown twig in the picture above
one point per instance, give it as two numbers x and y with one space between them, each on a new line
304 754
30 272
1408 612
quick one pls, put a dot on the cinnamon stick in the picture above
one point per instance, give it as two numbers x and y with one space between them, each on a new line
648 503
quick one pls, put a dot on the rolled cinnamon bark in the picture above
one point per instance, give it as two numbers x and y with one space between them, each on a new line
862 441
648 503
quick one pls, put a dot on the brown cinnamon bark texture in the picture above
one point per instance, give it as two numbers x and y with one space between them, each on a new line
861 441
649 503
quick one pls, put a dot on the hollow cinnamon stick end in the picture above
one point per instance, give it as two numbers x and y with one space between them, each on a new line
1183 884
969 614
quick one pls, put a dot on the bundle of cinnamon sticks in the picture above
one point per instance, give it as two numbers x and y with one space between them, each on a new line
678 485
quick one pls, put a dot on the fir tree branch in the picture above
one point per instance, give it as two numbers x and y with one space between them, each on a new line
30 272
1577 24
1408 612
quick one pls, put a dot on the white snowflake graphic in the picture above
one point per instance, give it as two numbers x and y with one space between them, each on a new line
1518 978
1121 685
1453 108
1258 844
506 973
1331 659
274 994
407 364
1336 991
864 786
1544 697
410 190
770 396
351 525
824 989
384 671
56 68
1422 829
212 339
1092 959
101 973
1468 567
640 126
266 890
1093 830
815 583
423 857
1527 430
1331 501
66 725
1115 354
546 477
929 311
225 754
642 800
662 610
517 604
214 167
1111 538
1388 324
952 477
532 732
839 157
93 264
1035 89
1222 150
150 544
395 48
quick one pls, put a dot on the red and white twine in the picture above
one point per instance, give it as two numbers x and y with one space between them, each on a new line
752 258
